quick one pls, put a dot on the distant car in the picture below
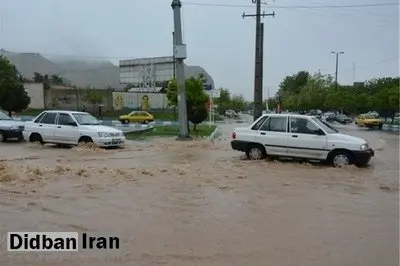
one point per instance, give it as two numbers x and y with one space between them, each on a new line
231 114
10 128
343 119
330 117
369 120
136 117
71 128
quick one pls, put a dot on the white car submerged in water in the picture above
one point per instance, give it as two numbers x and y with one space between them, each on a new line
71 128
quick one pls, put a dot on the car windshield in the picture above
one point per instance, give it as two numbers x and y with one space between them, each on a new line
342 116
326 127
3 116
134 113
370 116
86 119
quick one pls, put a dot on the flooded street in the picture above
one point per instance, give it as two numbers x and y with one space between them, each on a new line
200 203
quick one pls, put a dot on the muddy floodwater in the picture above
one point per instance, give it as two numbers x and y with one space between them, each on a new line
200 203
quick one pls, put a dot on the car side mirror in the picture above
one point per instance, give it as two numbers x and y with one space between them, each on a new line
72 124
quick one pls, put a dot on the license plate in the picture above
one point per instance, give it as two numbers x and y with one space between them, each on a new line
115 141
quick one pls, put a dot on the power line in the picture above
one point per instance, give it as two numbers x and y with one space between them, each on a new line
296 6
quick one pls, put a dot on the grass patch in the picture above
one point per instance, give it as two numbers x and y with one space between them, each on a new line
170 131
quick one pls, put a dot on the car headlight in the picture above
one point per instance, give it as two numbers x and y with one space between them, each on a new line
364 147
14 128
103 134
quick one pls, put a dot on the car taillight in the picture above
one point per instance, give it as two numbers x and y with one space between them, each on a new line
234 135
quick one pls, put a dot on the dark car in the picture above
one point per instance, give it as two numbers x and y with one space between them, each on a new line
9 128
343 119
331 118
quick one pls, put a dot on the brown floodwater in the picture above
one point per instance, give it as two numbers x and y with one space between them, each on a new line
200 203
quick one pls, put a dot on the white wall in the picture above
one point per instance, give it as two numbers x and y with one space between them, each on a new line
35 92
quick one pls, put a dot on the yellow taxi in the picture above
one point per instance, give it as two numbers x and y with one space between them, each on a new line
368 120
136 117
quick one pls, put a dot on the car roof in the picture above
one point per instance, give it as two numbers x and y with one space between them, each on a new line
292 115
65 111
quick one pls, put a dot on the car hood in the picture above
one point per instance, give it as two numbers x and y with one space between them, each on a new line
12 123
101 128
346 138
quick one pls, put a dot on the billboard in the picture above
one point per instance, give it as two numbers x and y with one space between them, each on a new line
139 101
146 73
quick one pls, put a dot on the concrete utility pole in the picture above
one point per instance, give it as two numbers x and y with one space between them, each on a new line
173 53
337 66
258 71
180 55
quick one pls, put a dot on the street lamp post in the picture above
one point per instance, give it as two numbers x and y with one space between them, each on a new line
337 66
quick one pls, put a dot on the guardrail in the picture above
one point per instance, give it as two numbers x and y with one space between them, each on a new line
390 127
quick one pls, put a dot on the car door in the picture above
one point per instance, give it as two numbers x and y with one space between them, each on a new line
46 126
67 130
273 135
134 117
306 139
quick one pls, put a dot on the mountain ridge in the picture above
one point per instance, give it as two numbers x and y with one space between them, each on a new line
80 72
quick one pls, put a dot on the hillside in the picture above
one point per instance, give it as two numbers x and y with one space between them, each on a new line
80 72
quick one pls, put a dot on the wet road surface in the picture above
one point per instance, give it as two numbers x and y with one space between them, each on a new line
200 203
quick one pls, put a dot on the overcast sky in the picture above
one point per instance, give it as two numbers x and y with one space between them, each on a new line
217 38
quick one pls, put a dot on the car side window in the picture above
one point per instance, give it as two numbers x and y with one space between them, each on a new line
49 118
37 120
259 123
64 119
275 124
302 126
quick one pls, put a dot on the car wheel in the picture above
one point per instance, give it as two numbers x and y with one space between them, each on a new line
145 121
341 159
85 140
36 137
256 152
125 121
3 137
380 126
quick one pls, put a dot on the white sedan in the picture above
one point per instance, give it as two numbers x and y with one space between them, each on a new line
71 128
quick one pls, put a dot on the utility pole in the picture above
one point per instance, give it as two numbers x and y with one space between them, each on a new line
258 74
354 72
337 66
180 55
262 63
173 53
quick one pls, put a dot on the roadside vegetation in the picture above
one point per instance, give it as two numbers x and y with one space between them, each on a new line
303 91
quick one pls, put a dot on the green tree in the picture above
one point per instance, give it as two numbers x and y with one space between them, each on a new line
57 80
223 101
13 97
93 97
237 103
196 98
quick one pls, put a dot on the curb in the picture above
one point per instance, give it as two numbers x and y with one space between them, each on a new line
391 128
214 134
142 130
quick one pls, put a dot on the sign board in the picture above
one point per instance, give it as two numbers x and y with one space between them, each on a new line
146 72
207 87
